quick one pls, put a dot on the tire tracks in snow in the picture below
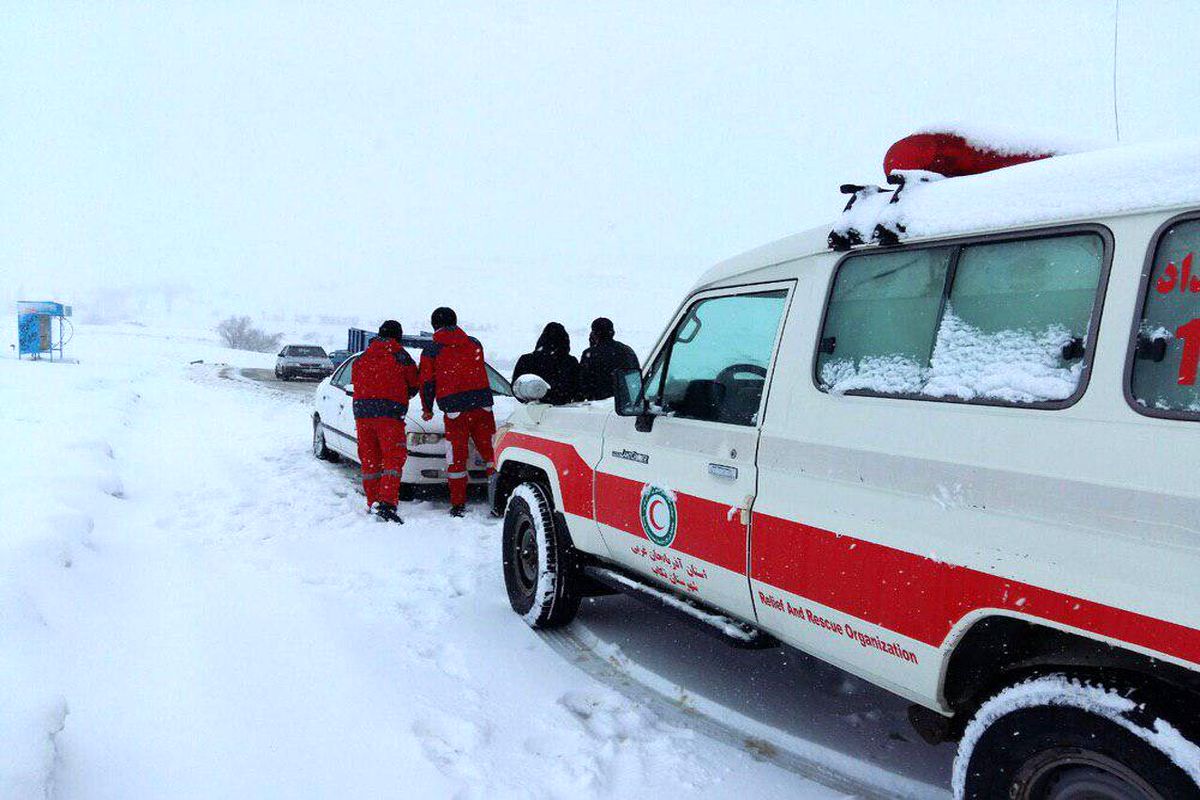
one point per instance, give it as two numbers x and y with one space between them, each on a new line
675 705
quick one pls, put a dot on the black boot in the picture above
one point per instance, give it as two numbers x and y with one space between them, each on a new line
458 511
388 513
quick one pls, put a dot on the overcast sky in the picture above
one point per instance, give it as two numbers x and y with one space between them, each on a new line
305 153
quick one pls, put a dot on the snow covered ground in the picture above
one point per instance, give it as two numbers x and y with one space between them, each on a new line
193 606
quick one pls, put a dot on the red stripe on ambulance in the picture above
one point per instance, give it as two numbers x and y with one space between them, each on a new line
907 594
924 599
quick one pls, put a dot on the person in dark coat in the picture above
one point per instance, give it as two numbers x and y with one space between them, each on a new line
602 360
551 360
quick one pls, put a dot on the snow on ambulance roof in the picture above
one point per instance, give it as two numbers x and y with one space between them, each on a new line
1007 141
1100 183
1066 188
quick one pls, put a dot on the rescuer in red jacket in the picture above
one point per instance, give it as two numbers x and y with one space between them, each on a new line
385 379
453 373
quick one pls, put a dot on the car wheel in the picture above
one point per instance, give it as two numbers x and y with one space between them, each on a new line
407 492
1055 738
537 560
319 448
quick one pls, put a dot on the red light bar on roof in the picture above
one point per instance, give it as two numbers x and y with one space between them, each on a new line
950 155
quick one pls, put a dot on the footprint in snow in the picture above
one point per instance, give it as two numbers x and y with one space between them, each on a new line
451 744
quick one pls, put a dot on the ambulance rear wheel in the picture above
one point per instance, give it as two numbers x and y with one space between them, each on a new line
1054 739
538 560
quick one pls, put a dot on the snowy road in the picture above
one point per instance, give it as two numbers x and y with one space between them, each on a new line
302 389
194 607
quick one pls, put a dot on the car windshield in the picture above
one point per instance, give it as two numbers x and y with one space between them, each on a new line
308 352
498 383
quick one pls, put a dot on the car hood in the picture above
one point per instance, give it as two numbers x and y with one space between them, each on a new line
502 409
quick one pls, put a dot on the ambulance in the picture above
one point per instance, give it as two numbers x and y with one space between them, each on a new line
950 444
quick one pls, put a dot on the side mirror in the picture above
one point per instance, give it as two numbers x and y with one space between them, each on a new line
348 388
530 388
629 398
627 393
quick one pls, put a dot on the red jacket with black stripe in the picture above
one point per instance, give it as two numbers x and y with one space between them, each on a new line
453 373
385 378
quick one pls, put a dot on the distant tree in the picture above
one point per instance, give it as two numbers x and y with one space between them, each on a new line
240 334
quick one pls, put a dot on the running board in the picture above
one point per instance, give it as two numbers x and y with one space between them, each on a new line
728 629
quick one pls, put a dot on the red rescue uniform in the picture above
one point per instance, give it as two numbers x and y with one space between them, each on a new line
385 379
453 374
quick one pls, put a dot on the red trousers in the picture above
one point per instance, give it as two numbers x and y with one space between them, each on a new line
479 426
382 451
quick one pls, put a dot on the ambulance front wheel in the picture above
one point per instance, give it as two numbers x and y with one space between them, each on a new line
538 560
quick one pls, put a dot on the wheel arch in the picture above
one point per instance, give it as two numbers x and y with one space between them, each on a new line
996 648
517 465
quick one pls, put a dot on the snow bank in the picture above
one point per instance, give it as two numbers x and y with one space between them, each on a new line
56 476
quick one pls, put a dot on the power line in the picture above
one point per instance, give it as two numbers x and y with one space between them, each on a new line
1116 27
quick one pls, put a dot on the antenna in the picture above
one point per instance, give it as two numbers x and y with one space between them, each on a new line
1116 27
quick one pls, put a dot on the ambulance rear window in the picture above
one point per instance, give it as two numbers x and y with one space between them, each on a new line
1166 347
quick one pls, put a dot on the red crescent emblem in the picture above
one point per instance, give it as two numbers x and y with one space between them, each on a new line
651 515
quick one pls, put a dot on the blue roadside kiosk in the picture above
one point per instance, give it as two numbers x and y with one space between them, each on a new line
35 328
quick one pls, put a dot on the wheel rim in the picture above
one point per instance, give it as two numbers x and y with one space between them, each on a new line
318 440
527 556
1074 774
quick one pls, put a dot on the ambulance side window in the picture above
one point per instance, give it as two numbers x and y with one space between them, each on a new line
882 320
715 366
1003 322
1166 349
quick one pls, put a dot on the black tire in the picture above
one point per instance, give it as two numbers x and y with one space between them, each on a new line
538 561
319 448
1051 739
407 492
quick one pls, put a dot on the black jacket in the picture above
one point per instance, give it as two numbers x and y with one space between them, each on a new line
552 362
599 363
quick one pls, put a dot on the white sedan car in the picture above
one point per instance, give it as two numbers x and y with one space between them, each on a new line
428 451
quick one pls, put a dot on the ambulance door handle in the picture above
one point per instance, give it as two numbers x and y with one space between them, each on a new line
723 471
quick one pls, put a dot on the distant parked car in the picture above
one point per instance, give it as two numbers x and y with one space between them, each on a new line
334 429
338 357
302 361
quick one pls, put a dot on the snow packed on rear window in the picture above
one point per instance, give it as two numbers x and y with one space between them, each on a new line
1003 321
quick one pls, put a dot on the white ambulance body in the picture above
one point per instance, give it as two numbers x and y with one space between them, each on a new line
965 467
